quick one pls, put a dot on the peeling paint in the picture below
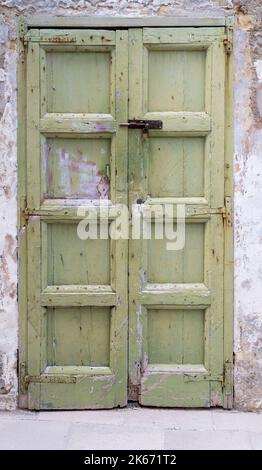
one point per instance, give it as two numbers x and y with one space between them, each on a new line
73 175
258 65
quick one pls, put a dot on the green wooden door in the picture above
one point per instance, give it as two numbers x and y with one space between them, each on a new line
81 309
77 289
177 75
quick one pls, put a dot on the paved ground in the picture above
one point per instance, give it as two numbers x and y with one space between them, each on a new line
131 428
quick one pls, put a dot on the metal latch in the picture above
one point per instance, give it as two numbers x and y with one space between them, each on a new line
227 213
143 124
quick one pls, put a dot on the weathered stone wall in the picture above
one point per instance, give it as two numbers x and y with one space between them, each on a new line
248 207
247 173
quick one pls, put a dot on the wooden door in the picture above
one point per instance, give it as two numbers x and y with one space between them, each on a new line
81 309
77 289
177 75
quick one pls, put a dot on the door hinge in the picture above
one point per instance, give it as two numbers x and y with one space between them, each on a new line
24 213
228 45
224 378
25 40
26 379
227 212
23 378
22 27
22 42
227 384
202 377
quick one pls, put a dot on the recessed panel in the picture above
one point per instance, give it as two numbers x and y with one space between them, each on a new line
175 336
176 167
76 168
176 80
71 260
78 336
78 82
176 266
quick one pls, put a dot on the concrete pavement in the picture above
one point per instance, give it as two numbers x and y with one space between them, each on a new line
131 428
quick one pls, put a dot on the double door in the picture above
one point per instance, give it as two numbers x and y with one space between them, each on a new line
112 318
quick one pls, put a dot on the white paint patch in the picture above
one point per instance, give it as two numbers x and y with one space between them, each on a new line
258 65
2 75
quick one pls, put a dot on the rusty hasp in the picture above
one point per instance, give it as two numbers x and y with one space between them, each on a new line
144 124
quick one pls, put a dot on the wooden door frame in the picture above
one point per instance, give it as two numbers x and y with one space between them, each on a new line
24 24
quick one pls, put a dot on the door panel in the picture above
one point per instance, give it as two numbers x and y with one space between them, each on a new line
76 168
83 347
170 68
77 299
176 297
65 249
93 83
175 178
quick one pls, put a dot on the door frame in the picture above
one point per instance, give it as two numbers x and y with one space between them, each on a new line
85 22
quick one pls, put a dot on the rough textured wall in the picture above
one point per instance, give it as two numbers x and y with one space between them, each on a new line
248 173
248 207
8 183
